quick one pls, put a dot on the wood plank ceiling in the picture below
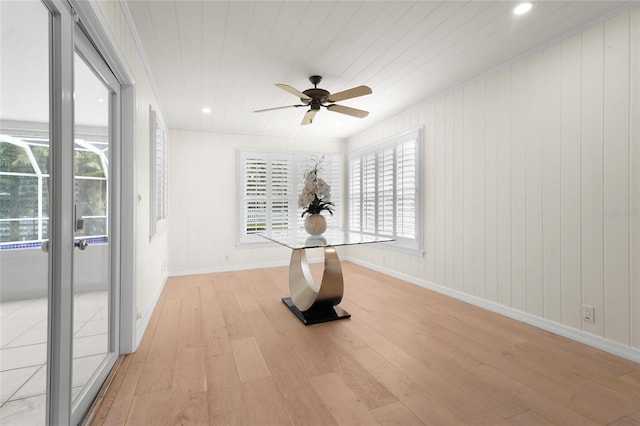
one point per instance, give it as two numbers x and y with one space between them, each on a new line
227 56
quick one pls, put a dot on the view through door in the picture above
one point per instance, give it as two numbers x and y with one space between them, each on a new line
59 336
24 211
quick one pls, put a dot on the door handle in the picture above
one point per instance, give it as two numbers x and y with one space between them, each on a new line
81 244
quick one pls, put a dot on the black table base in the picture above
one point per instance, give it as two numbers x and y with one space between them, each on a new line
317 314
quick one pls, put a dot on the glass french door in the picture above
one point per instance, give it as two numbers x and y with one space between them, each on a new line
59 210
95 101
24 211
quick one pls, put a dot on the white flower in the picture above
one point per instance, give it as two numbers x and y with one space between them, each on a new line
323 190
316 193
305 199
311 175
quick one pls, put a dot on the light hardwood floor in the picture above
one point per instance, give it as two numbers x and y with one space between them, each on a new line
223 349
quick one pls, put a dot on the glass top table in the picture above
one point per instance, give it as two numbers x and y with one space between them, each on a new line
311 302
301 240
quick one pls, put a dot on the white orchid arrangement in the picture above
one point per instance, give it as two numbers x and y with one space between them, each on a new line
316 194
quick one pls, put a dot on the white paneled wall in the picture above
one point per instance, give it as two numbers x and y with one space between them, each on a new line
634 179
151 256
532 184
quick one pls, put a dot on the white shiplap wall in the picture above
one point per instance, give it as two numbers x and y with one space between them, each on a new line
151 255
532 184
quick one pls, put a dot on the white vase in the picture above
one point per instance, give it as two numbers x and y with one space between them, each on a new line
315 224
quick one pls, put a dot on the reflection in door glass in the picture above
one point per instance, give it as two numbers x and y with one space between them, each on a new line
24 182
92 256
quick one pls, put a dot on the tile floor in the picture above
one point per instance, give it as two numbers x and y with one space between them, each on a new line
23 353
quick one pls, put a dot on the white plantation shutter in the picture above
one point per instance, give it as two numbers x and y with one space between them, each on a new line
255 194
386 193
271 184
384 190
159 174
301 168
406 190
355 194
369 203
281 205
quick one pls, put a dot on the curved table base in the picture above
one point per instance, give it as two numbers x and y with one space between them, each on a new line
310 302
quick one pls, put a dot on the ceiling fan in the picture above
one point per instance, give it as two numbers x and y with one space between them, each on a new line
315 98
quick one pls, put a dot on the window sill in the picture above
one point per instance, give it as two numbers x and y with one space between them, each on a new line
393 246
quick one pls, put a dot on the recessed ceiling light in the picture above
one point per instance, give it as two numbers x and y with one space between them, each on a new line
522 8
206 110
100 100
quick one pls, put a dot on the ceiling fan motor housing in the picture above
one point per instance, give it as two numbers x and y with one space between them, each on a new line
317 96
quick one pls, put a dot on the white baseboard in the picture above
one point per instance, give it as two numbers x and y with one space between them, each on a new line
142 323
615 348
230 268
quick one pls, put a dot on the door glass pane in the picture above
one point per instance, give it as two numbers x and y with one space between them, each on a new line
24 181
91 262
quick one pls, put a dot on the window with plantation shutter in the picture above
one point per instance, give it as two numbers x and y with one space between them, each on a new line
270 184
159 174
384 190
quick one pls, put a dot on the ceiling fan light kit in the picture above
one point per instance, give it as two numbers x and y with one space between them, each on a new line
315 98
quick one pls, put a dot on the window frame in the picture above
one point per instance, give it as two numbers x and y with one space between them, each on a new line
298 163
368 160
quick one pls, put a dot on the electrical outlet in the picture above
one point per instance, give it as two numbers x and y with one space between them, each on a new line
226 257
588 313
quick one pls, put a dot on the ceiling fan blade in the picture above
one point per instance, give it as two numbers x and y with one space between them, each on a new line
308 117
294 91
280 107
350 93
349 111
